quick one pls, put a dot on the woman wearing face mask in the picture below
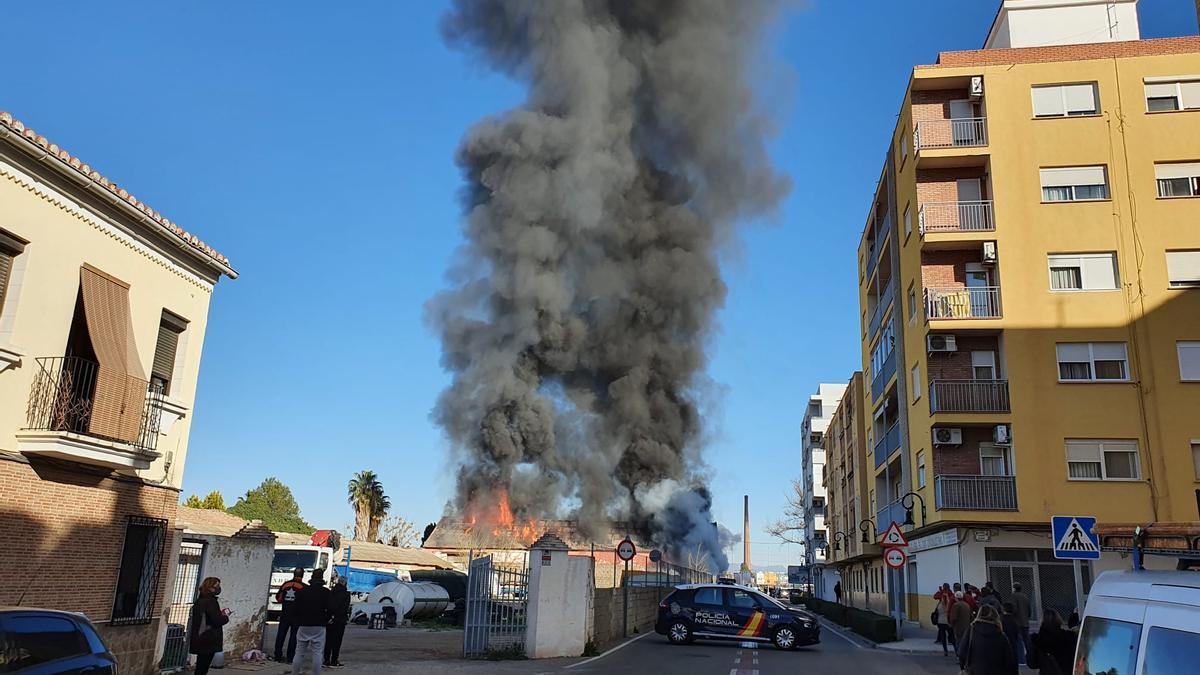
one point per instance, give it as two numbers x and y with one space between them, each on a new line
205 632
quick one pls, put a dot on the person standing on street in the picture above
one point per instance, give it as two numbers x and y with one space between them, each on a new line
312 617
205 636
339 616
1053 647
960 617
984 650
1009 623
942 617
1022 612
286 597
837 592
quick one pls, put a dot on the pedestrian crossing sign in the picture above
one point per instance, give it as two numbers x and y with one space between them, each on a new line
1075 538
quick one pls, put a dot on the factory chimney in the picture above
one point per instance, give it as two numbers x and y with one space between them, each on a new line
746 533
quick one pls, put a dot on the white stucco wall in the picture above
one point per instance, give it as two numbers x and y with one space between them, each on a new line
244 567
1040 23
560 605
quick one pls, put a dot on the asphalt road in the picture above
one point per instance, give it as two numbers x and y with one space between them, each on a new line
653 654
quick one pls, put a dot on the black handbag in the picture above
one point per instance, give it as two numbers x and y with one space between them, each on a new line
933 618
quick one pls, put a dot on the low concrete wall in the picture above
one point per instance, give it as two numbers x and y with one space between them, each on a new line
609 608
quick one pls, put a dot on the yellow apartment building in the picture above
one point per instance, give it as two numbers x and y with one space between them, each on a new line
1030 292
103 307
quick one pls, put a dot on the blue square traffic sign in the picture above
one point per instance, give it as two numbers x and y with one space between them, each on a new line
1075 538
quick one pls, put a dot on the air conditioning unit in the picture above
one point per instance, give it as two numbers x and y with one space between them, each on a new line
947 436
977 87
939 342
1001 435
989 252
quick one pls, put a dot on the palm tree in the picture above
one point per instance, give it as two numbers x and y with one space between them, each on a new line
379 509
362 494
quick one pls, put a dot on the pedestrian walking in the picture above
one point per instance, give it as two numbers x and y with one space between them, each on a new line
837 592
960 617
1022 613
1053 647
205 636
312 617
986 597
984 650
339 616
992 589
286 597
1008 623
941 616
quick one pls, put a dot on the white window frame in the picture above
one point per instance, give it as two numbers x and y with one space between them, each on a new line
1100 446
1074 187
1182 283
1195 444
920 469
1062 92
1085 286
912 305
984 358
908 220
1178 83
916 382
903 146
1185 171
1091 362
1192 373
993 451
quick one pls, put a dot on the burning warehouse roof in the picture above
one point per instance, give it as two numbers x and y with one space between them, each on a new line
451 535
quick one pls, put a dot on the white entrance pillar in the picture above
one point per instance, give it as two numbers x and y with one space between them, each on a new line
559 619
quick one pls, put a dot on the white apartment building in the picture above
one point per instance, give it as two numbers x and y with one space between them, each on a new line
821 407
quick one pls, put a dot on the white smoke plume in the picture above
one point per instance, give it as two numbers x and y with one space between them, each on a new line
584 297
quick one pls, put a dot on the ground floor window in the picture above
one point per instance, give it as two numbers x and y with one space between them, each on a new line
1049 582
137 581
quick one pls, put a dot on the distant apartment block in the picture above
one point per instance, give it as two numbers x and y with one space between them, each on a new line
1029 278
812 434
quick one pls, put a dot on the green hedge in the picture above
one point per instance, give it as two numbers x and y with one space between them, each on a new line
875 627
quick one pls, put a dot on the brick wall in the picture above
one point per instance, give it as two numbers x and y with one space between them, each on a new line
1082 52
934 105
64 528
957 365
961 459
941 185
946 269
609 606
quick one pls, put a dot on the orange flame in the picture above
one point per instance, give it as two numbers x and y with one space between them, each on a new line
499 517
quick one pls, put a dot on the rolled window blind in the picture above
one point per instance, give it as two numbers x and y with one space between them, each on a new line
164 353
1183 267
1191 94
120 392
1184 170
1099 271
1080 97
1048 102
6 261
1160 89
1073 175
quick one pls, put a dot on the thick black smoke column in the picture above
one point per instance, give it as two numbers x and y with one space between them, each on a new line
585 294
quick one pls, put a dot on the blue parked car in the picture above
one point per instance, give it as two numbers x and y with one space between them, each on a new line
46 642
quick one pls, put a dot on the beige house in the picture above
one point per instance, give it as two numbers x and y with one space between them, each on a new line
103 306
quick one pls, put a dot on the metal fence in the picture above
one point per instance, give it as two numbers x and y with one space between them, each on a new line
187 578
964 132
976 493
497 608
968 396
79 396
979 302
965 216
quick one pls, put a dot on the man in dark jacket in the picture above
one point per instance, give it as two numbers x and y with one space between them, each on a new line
339 610
312 616
286 597
984 650
1022 612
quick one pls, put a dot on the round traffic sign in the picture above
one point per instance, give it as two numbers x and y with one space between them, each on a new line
626 550
894 558
655 555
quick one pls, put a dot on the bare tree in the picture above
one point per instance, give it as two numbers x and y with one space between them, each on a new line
396 531
790 528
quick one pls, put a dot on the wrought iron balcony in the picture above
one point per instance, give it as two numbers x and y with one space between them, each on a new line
969 216
978 302
969 396
976 493
77 396
968 132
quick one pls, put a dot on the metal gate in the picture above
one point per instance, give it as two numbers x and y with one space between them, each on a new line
187 578
497 599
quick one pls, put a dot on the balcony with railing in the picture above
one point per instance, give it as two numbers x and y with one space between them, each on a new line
958 216
976 493
963 302
885 301
969 396
887 445
892 513
84 412
966 132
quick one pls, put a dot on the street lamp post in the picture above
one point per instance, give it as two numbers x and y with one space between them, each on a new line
865 525
838 538
907 502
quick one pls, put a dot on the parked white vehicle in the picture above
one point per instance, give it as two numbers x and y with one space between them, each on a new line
1141 622
290 556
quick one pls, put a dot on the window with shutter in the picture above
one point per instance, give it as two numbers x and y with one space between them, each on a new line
1065 100
1074 183
10 248
1102 460
1189 360
1167 94
1092 361
163 370
1178 179
1183 269
1083 272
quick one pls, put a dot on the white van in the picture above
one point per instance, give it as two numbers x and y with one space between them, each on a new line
1141 623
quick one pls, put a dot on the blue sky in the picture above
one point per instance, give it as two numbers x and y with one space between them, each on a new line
314 147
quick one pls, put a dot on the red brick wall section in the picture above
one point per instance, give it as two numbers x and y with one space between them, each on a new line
1103 50
934 105
940 185
64 528
957 365
947 269
961 459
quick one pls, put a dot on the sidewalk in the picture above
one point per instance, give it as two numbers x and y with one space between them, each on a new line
915 640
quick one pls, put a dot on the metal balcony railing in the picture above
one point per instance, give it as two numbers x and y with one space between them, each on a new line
885 516
887 445
978 302
885 299
79 396
967 132
976 493
968 396
969 216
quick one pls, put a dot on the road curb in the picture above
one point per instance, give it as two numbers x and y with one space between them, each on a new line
864 643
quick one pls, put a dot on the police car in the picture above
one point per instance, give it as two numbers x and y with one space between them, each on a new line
730 612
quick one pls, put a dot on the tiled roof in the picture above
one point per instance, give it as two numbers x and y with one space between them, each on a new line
368 553
7 120
219 523
1082 52
451 534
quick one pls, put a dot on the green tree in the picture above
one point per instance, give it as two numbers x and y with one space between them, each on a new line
272 503
213 500
365 494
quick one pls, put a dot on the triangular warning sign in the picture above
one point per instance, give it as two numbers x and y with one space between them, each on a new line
1075 538
893 537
